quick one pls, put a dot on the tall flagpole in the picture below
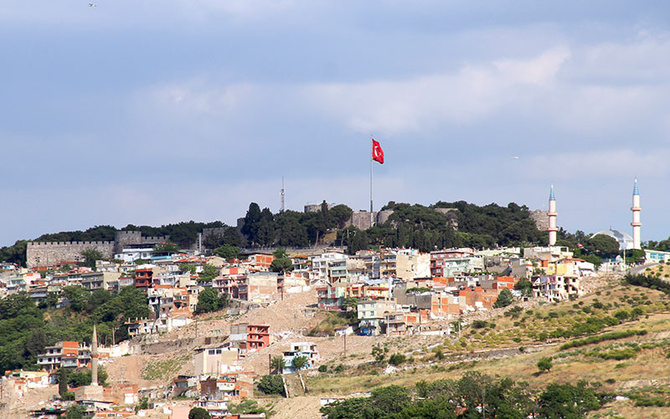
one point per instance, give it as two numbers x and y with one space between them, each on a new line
371 206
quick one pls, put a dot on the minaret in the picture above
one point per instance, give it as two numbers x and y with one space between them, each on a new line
553 229
636 217
94 358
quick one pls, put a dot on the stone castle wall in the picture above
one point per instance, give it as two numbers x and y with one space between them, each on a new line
541 219
53 253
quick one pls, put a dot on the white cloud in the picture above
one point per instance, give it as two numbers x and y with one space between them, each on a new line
601 164
197 98
464 97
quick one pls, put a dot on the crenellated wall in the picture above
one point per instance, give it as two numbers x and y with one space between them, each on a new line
53 253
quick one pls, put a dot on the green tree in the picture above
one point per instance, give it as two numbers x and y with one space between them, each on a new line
15 253
209 301
397 359
280 253
602 245
166 247
271 384
352 408
63 374
75 411
299 362
505 298
198 413
281 265
186 268
251 222
208 273
228 251
544 364
97 298
339 216
277 363
246 406
265 235
84 377
525 286
568 401
90 256
391 399
77 296
232 237
378 353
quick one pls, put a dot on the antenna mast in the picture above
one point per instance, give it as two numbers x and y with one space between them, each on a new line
283 202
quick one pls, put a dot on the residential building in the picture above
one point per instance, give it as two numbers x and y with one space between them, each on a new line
144 278
371 313
227 387
557 287
453 262
298 349
258 286
249 337
214 359
66 354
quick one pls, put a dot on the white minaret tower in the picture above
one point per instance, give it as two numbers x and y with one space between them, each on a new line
94 358
553 229
636 217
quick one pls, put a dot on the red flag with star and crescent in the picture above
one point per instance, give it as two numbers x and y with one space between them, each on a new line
377 152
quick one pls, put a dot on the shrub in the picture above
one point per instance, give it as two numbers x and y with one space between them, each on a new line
271 384
397 359
480 324
323 368
544 364
619 354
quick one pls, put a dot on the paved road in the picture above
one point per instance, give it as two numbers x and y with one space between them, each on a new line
639 269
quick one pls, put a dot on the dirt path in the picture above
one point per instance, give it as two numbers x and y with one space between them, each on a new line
306 407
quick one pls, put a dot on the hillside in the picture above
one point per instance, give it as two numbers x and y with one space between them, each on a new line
616 337
507 343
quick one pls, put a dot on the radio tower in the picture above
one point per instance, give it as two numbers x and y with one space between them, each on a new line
283 195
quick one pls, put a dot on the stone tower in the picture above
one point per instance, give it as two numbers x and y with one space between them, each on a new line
553 229
636 217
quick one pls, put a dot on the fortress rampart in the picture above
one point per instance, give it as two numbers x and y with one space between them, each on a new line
55 253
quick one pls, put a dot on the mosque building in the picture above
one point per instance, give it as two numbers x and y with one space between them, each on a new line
626 241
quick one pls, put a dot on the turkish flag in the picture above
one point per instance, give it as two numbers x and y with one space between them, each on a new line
377 152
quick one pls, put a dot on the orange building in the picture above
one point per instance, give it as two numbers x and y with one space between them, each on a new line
66 354
144 278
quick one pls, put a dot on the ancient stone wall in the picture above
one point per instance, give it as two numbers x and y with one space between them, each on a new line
53 253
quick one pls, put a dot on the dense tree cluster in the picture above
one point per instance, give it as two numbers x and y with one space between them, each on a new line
209 300
25 330
292 228
442 225
473 396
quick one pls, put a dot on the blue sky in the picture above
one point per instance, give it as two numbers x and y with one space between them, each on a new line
153 112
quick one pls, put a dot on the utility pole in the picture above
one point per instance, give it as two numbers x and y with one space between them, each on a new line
345 343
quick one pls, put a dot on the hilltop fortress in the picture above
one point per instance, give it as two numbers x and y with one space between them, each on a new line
55 253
